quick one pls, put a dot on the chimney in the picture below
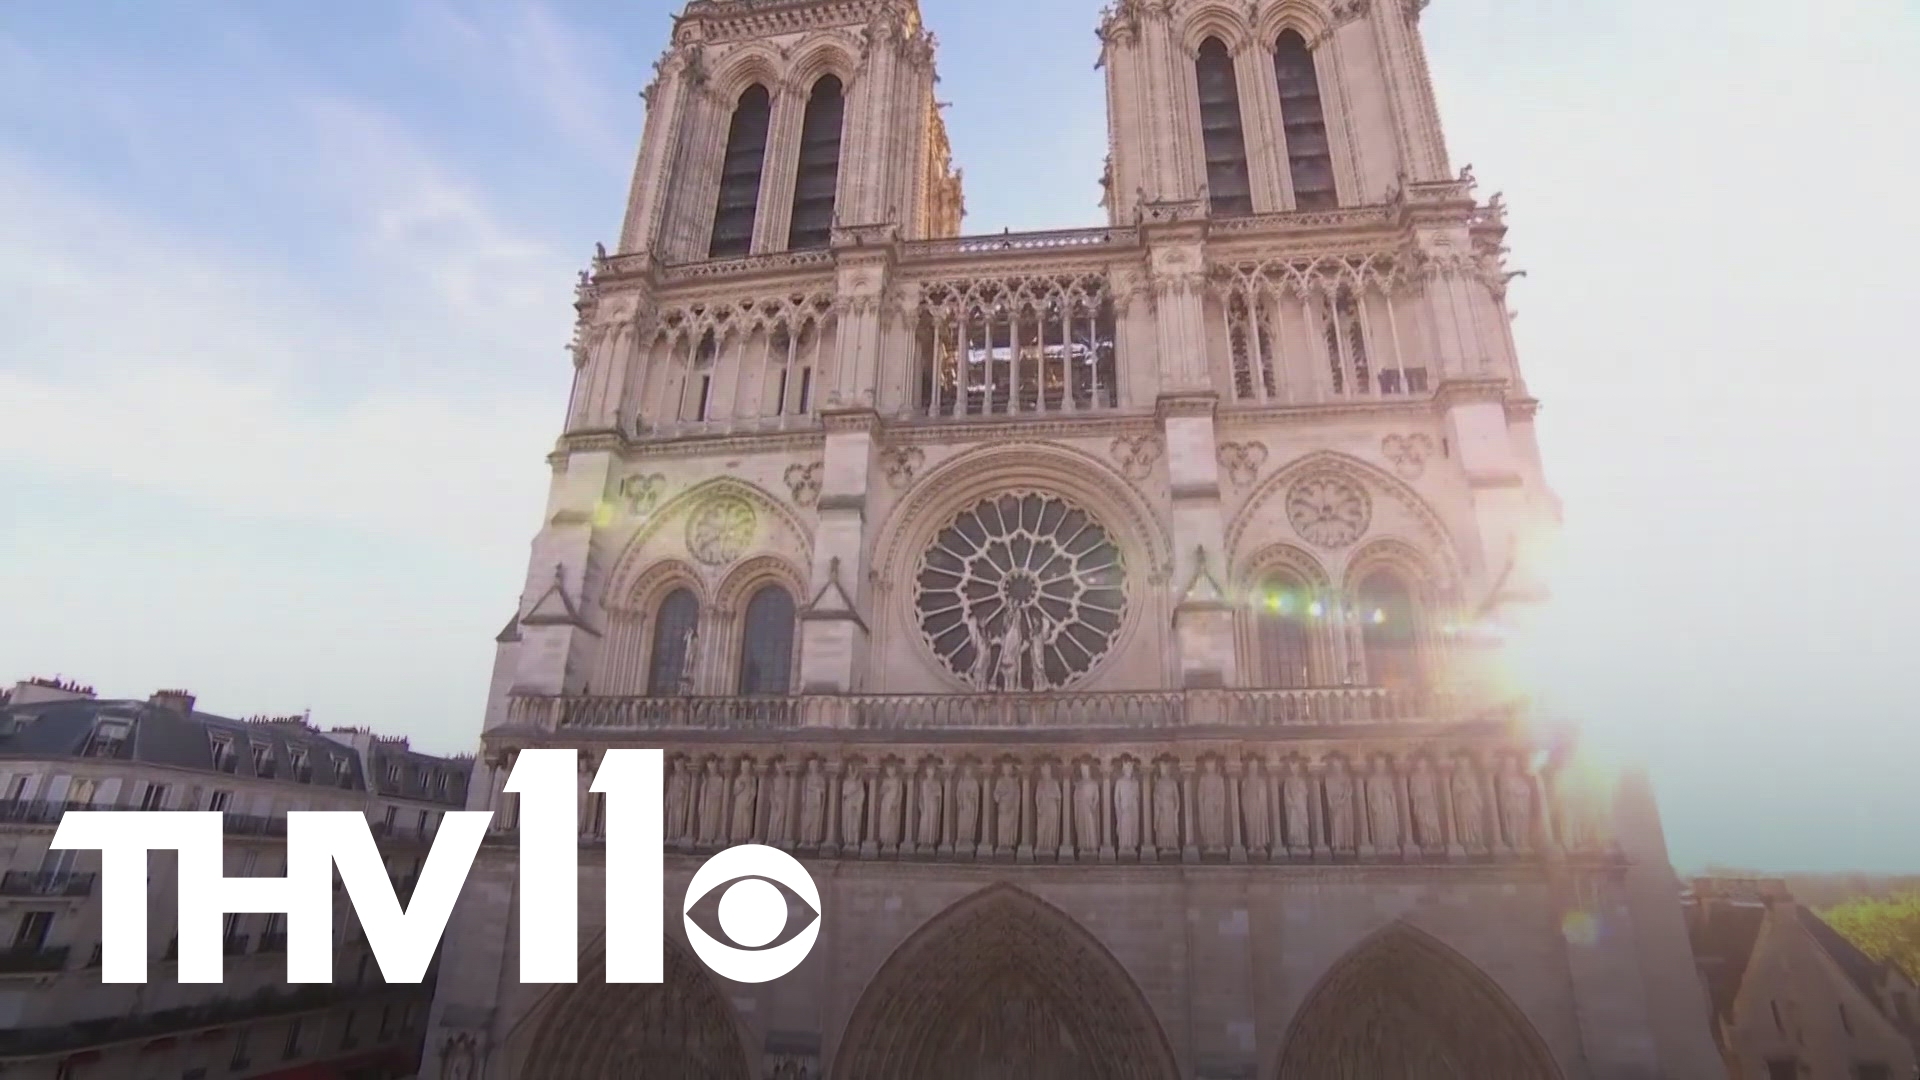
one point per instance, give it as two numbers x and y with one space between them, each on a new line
34 691
177 701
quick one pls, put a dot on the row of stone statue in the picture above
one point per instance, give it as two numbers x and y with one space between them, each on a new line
1126 808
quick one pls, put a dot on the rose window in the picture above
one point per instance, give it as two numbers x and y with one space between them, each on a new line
1023 591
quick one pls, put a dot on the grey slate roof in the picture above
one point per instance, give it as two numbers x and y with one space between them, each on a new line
160 736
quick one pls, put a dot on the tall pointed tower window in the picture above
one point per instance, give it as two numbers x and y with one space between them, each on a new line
740 174
1309 159
1389 631
818 176
674 626
766 647
1229 188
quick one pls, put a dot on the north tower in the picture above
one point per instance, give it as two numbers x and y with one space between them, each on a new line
1098 613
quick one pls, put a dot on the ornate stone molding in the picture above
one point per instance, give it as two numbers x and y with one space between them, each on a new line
901 463
1243 461
1408 453
804 482
1136 455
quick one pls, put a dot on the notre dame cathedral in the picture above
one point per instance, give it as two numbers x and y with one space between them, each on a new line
1098 614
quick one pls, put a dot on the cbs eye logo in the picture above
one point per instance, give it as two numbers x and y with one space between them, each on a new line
752 889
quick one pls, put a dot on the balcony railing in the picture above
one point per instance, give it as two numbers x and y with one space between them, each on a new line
33 959
237 824
28 883
1308 707
87 1034
38 811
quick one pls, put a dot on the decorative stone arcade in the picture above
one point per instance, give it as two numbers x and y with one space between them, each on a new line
1097 613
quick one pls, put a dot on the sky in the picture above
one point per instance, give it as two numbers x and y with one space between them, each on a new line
285 290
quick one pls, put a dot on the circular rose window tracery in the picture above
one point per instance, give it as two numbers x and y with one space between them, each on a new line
1022 591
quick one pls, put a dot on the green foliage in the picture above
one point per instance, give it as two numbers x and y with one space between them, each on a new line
1885 929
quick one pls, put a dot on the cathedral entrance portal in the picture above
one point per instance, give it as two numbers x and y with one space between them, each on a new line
1402 1006
1003 987
680 1028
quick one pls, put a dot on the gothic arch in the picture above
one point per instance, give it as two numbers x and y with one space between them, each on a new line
1281 556
1386 551
646 589
1308 19
1003 984
962 481
1312 654
1215 19
632 563
730 609
592 1030
1434 542
823 54
1402 1004
748 63
743 580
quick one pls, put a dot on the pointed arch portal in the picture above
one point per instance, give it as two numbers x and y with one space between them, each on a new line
1003 986
1402 1006
680 1027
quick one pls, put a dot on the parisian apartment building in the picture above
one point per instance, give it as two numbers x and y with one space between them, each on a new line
64 748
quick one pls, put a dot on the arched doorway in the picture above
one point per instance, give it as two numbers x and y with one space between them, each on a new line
1402 1006
680 1027
1003 986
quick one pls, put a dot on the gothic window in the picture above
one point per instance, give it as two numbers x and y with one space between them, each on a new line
740 173
1309 157
1342 328
818 176
669 671
766 644
1023 591
1389 630
1283 632
1229 187
1041 344
1252 348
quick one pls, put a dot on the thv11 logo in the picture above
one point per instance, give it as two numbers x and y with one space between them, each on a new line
753 882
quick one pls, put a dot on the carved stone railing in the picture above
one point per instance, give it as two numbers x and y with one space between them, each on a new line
1172 709
1051 240
1349 217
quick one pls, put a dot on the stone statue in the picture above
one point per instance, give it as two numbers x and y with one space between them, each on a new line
981 674
1212 796
1424 793
679 800
745 788
1037 649
1046 808
966 798
713 804
1469 810
1299 823
777 814
1126 807
892 795
930 795
1012 645
1166 809
1516 808
1383 808
1253 809
689 647
1086 809
853 809
1006 806
813 804
1339 789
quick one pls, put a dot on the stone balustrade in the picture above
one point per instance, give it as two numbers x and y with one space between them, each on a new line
1144 710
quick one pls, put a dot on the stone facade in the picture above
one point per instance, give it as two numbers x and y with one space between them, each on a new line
1102 615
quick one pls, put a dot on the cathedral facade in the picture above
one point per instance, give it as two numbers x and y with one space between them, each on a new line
1100 615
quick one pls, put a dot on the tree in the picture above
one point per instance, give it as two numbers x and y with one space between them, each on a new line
1886 930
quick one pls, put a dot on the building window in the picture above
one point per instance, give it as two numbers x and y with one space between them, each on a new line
292 1048
108 738
766 646
1043 344
302 770
1389 630
1343 329
818 176
263 762
31 934
740 173
674 628
343 772
1309 157
1283 621
154 798
219 800
1229 186
224 759
241 1059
